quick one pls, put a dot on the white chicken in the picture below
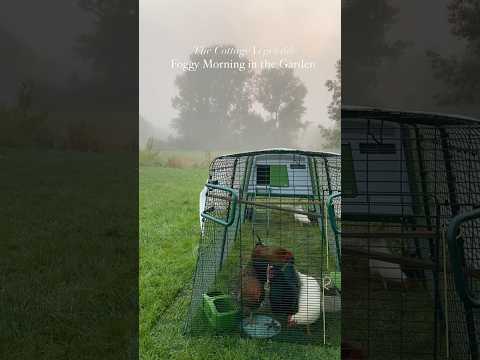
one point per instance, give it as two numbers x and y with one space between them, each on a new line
301 217
389 272
309 302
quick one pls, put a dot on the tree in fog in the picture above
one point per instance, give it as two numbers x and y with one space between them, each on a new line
147 130
217 107
282 95
112 48
254 132
364 45
331 135
461 74
212 103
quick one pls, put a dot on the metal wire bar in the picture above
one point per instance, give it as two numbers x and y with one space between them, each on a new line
408 262
269 206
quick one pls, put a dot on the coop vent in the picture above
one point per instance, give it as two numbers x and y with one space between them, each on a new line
384 149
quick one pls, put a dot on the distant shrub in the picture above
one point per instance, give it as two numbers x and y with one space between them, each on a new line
150 158
180 162
20 128
176 158
78 137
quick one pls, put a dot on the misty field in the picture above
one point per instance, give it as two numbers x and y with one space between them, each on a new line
169 234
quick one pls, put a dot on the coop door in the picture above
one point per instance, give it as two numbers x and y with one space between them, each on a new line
280 175
375 164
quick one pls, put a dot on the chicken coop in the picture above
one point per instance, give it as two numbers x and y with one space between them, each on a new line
410 240
267 262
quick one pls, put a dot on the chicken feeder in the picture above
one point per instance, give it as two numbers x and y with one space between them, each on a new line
220 310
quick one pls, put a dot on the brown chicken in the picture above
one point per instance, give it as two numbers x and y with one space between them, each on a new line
253 293
254 275
263 255
273 254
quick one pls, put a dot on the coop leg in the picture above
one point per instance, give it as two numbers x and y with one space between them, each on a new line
309 333
252 319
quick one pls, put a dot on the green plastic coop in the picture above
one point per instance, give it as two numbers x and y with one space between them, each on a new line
276 197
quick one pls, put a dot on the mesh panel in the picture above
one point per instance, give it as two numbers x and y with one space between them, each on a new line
412 174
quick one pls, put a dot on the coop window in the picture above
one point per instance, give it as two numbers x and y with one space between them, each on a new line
273 175
298 166
263 174
349 181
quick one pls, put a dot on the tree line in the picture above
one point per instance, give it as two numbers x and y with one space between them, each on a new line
367 47
90 110
216 108
235 108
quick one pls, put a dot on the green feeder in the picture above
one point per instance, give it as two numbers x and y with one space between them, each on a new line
220 310
336 277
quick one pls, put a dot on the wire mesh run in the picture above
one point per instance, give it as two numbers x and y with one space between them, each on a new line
405 177
266 266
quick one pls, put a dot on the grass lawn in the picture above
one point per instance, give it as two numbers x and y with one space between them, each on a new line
169 234
68 255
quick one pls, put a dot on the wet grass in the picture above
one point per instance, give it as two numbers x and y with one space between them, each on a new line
169 235
68 269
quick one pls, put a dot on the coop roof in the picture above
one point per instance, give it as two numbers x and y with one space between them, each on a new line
408 117
281 151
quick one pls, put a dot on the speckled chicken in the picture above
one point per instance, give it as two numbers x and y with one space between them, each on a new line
284 289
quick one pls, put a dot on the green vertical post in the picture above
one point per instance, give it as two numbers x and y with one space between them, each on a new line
316 196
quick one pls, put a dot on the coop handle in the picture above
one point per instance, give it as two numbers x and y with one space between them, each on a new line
456 251
233 205
331 212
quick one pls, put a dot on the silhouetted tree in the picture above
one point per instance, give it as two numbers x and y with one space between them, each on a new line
331 135
282 95
17 63
461 75
365 47
112 47
212 102
24 97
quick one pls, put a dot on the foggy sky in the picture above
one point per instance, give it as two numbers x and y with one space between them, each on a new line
408 82
171 29
50 28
